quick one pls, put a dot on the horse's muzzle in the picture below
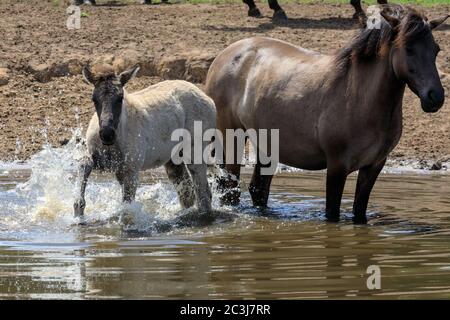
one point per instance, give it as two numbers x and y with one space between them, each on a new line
107 135
433 100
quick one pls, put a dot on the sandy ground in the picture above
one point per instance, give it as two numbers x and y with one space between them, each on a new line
35 108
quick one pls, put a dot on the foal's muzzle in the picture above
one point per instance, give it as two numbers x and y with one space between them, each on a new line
432 100
107 135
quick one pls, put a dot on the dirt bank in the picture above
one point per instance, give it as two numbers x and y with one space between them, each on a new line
42 95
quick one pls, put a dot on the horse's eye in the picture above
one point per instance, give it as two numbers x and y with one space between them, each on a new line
409 51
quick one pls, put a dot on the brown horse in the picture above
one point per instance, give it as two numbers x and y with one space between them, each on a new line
339 112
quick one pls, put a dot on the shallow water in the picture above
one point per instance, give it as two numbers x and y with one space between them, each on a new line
285 252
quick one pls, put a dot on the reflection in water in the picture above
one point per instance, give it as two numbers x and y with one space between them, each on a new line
286 252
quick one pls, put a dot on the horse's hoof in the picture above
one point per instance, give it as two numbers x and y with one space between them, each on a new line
359 14
78 207
194 219
80 221
332 218
359 220
279 15
254 12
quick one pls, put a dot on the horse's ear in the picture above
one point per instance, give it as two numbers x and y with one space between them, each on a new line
128 75
393 21
437 22
87 75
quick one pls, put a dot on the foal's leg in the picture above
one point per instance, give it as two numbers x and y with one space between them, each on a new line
336 178
201 187
253 11
260 186
179 176
278 13
366 180
84 171
129 180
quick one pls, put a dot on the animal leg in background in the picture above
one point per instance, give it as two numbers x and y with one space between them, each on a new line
201 187
366 180
278 13
253 11
181 179
359 12
84 172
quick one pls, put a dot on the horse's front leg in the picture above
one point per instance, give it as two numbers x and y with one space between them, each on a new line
336 178
367 177
84 171
129 180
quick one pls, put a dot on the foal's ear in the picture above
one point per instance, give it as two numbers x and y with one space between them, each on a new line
393 21
128 75
437 22
87 75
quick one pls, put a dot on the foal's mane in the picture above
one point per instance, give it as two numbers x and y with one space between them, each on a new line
372 43
103 72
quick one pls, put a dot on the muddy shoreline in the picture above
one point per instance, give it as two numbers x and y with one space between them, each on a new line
43 98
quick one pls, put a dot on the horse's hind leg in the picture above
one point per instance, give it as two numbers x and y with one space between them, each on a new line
366 180
129 180
201 187
260 186
179 176
228 183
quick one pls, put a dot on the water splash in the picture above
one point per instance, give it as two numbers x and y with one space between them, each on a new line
45 200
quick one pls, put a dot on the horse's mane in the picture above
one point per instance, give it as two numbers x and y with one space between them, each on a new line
371 43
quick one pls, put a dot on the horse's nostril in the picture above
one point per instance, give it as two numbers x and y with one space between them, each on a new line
436 96
432 95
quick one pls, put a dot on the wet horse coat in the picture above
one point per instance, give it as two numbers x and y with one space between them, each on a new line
339 112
